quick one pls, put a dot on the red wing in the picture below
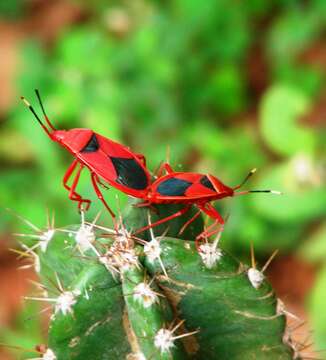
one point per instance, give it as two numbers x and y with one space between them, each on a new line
114 149
117 165
199 190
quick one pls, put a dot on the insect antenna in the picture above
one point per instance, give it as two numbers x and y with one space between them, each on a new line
251 172
258 191
43 110
35 115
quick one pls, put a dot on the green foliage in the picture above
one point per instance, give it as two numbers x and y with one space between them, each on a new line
303 200
11 9
293 32
280 112
314 250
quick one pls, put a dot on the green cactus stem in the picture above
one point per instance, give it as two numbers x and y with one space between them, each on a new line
118 297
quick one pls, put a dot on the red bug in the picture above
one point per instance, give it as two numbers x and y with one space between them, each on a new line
107 160
126 171
192 189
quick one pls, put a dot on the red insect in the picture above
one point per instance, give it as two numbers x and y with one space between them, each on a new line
192 189
126 171
107 160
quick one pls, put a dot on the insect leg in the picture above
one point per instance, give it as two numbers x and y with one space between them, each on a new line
143 204
146 204
75 196
161 221
209 210
68 174
95 181
72 193
210 233
168 168
164 166
186 224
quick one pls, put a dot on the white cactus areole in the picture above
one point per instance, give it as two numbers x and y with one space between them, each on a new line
144 295
66 301
255 277
49 355
164 340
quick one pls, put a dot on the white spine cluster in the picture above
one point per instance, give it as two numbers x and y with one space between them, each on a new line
210 254
66 301
121 255
85 237
49 355
152 250
255 277
43 236
164 340
127 259
123 237
144 295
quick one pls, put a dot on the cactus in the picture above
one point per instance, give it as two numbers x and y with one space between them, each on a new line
154 297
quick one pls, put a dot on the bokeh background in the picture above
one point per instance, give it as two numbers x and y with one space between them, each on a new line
227 85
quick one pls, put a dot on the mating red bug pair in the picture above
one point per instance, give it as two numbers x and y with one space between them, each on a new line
118 166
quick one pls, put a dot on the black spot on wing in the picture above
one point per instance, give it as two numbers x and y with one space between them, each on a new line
91 146
130 173
173 187
207 183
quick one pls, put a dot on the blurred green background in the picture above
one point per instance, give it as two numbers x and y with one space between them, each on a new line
227 85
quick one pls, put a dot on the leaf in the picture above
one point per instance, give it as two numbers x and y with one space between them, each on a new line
314 248
299 202
293 31
280 113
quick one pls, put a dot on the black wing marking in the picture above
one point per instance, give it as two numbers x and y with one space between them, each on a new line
173 187
207 183
91 146
130 173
